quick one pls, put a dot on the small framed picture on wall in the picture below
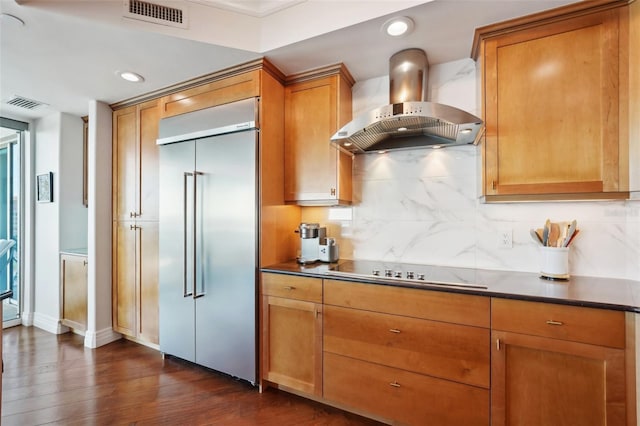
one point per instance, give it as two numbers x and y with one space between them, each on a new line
44 184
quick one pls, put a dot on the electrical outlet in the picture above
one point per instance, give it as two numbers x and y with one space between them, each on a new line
505 239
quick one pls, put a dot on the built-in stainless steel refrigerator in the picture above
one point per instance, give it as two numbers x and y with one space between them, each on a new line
208 237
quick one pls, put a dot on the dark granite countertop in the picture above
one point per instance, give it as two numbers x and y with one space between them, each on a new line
606 293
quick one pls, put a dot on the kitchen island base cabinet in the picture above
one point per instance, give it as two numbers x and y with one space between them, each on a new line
403 396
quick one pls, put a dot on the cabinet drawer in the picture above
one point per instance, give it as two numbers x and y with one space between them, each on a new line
426 304
450 351
574 323
402 396
292 287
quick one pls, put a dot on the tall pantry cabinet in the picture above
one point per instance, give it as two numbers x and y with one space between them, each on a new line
135 221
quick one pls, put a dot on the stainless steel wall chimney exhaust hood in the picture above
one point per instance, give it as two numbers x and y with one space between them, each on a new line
410 121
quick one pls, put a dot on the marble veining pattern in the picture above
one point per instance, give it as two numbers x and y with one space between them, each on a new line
422 205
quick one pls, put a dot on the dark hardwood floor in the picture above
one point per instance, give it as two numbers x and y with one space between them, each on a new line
54 379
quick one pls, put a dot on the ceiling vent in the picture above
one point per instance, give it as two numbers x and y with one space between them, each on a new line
174 15
20 102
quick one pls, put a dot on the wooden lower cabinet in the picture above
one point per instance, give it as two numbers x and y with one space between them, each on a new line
135 280
291 348
73 274
401 396
559 365
439 349
407 356
421 357
542 381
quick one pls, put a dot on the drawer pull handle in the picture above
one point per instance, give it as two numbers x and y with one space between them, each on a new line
395 330
395 384
552 322
289 288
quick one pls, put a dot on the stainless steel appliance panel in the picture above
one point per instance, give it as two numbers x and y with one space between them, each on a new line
226 229
177 311
208 238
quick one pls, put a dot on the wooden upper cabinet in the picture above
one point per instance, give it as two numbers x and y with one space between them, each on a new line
554 88
135 162
221 91
124 163
317 104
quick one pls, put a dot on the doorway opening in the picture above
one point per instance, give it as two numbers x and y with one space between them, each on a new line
12 134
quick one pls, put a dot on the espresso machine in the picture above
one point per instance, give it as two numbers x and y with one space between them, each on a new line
315 245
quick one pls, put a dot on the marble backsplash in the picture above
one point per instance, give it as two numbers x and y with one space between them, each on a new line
422 206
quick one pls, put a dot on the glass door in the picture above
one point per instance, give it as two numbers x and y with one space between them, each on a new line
11 140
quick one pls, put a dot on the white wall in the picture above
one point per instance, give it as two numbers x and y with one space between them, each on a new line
99 327
422 206
73 214
61 224
46 244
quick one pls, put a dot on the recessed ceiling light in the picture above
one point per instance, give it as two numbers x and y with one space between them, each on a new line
130 76
397 27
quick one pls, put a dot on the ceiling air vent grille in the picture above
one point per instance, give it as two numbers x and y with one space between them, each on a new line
157 13
25 103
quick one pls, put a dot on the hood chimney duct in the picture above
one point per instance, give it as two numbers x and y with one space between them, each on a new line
408 76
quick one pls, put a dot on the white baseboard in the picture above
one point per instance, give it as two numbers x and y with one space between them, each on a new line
27 319
95 339
50 324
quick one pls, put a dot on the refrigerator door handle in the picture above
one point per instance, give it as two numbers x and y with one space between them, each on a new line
185 232
197 228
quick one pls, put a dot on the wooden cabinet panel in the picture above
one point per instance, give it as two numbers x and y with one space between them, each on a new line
317 172
73 272
435 305
124 278
450 351
402 396
292 344
147 287
541 381
148 114
135 162
578 324
222 91
135 221
553 92
124 163
291 337
292 287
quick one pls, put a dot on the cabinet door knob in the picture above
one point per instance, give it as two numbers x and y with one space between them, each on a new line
552 322
394 330
395 384
289 288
